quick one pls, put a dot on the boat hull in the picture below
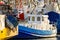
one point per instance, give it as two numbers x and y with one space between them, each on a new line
37 33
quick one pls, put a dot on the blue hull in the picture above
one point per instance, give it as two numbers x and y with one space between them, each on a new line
23 33
34 31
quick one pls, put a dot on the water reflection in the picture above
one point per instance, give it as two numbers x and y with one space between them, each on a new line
44 39
52 38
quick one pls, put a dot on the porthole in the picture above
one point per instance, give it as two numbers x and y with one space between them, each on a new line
38 18
33 18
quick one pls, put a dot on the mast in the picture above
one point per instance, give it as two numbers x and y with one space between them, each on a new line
21 6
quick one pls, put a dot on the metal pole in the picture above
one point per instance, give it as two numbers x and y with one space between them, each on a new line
14 4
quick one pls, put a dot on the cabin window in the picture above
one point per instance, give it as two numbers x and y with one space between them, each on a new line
29 18
38 18
33 18
42 18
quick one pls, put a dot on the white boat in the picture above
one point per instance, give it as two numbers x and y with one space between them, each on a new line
37 27
36 23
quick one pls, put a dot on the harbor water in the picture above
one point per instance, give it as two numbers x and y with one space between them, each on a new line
51 38
23 36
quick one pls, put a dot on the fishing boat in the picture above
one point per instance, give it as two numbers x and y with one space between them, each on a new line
37 27
35 22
